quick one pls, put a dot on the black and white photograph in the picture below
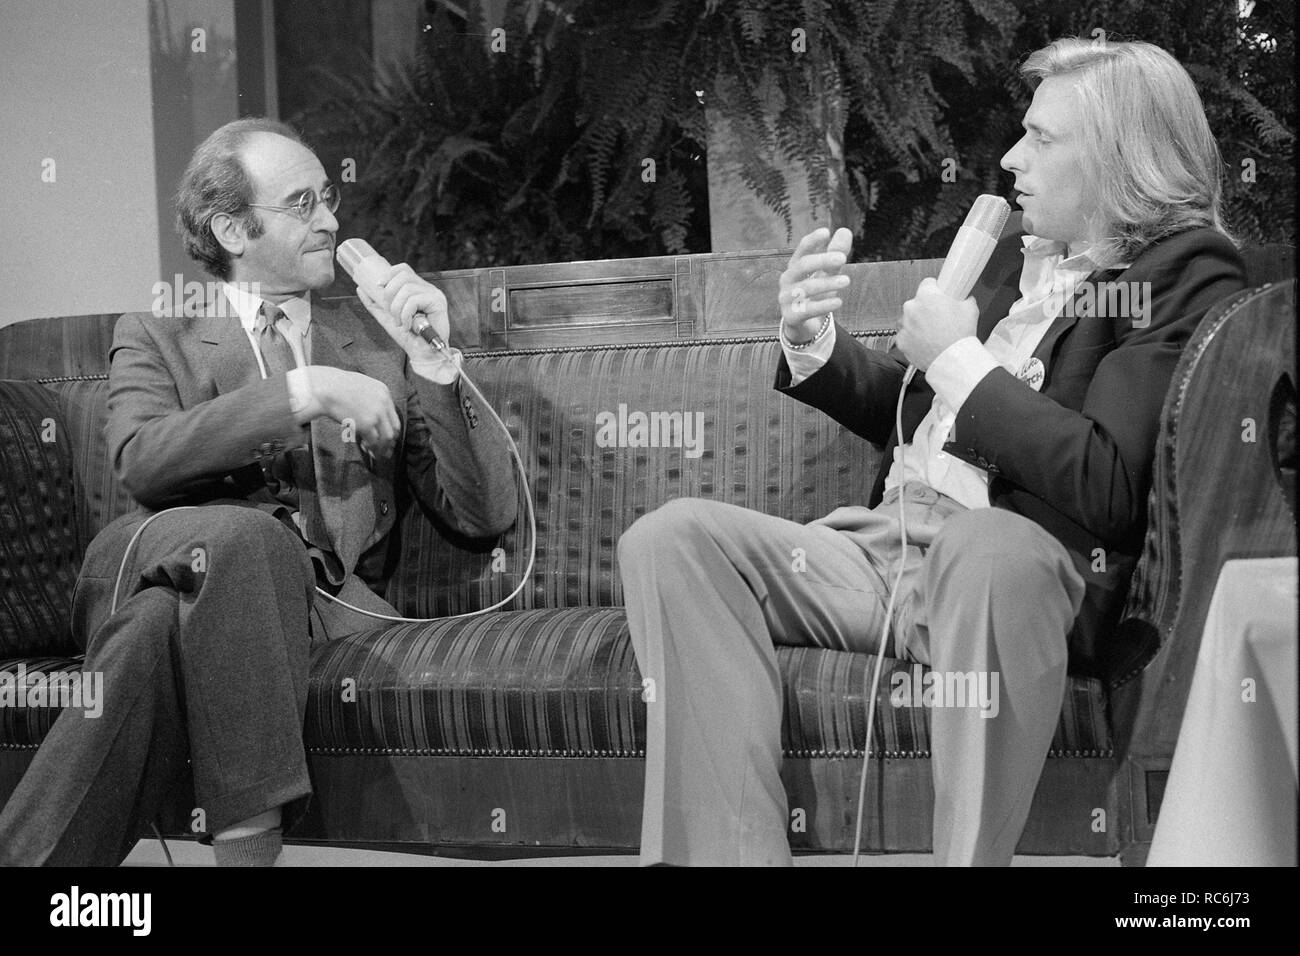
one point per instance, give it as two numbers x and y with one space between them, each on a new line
571 434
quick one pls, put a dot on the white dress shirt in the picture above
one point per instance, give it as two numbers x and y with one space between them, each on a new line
298 311
1047 281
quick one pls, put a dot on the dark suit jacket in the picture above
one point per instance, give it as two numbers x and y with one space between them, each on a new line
191 419
1076 457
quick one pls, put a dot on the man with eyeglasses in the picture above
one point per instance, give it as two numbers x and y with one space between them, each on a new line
292 432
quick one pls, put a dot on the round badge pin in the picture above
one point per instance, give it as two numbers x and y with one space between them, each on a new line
1031 373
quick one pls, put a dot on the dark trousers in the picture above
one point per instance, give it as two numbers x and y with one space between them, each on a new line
205 659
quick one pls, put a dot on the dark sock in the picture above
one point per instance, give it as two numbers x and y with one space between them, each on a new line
259 849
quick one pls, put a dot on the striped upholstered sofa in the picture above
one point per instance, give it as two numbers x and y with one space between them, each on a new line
522 730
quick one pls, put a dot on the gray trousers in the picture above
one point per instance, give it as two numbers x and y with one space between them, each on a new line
711 587
204 660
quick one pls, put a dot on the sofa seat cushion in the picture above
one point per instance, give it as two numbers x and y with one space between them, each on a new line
564 682
39 681
552 683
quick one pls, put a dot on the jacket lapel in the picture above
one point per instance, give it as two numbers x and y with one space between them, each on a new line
227 351
1069 316
998 286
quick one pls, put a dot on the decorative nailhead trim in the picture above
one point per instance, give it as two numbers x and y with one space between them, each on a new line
1108 753
564 349
678 343
604 754
854 753
73 378
468 752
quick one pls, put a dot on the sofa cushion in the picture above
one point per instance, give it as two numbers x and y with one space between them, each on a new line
561 683
41 544
564 683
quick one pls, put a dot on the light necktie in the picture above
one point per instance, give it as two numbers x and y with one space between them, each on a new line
285 474
291 478
275 335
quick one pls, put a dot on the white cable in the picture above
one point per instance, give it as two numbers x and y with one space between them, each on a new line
532 536
889 613
528 506
112 607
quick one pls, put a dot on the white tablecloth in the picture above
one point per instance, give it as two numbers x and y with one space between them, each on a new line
1231 794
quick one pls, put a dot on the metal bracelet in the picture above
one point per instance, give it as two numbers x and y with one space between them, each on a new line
804 346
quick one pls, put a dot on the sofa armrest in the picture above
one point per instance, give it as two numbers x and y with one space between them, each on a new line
1222 489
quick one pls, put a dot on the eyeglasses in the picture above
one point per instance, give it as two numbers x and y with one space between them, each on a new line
306 204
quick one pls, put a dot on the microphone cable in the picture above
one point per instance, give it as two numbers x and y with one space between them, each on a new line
532 533
885 627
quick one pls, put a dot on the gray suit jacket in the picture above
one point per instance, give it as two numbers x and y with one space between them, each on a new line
191 420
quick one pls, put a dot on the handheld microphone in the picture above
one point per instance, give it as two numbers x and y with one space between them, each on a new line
360 261
970 251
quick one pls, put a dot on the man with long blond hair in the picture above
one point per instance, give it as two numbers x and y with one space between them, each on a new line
1024 467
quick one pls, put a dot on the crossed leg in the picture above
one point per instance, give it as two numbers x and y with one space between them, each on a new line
205 657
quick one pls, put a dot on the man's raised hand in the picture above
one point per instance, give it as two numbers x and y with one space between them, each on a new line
811 283
404 295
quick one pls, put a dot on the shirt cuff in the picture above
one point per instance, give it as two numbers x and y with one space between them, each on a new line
299 390
958 369
435 371
805 362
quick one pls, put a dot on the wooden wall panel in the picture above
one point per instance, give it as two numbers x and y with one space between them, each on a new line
608 301
581 303
561 304
740 292
621 310
644 300
461 290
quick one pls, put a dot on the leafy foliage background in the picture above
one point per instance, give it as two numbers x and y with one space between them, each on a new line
535 153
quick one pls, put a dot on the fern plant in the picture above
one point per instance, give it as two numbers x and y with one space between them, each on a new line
587 135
